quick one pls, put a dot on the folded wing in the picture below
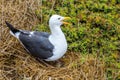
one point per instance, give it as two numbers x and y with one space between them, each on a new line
37 43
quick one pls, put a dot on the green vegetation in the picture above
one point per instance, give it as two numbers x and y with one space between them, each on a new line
95 24
95 27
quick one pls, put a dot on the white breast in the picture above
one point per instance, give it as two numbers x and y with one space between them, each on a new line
60 46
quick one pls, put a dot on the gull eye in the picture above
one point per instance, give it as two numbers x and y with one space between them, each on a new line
59 18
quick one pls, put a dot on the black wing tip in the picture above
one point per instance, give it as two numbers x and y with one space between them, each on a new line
6 22
14 30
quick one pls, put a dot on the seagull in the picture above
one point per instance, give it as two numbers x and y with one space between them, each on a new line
42 45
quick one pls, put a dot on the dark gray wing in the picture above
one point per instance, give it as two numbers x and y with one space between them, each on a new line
37 44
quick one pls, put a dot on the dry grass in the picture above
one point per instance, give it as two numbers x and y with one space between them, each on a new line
16 64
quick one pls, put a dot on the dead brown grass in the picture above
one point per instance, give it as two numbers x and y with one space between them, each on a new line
16 64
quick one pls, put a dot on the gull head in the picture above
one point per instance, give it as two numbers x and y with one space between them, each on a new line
57 20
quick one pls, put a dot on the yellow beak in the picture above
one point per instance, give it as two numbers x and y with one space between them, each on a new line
64 20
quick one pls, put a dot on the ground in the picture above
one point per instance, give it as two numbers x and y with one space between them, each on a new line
93 39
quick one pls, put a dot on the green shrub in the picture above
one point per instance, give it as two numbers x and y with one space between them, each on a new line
95 24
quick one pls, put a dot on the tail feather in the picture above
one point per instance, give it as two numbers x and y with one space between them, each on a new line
13 30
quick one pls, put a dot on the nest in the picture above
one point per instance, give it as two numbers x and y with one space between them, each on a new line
17 64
